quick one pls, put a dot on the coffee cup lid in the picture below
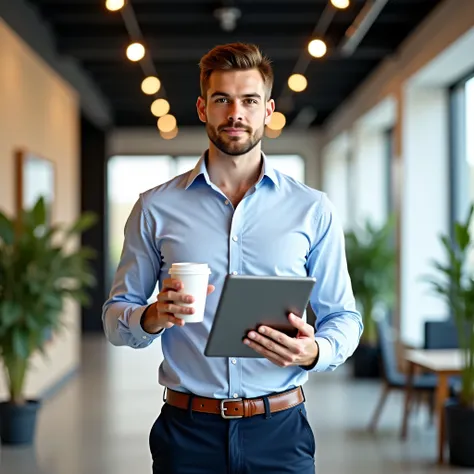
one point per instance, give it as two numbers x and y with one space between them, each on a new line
189 268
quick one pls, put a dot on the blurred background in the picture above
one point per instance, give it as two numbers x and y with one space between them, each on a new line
375 107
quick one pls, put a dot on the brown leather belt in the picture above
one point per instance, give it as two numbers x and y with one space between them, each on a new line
236 407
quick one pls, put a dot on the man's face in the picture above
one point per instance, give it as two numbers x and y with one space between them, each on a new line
235 110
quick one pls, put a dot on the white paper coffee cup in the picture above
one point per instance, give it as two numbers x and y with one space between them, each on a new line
195 279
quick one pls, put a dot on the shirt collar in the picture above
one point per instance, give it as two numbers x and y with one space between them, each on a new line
201 170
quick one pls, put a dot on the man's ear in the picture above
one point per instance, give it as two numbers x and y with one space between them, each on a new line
269 109
201 109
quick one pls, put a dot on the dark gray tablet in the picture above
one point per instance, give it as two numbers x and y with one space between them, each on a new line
248 302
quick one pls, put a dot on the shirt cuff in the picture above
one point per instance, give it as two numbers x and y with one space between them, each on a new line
324 355
136 328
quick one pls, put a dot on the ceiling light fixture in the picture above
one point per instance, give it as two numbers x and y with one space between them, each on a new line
135 52
228 17
114 5
167 123
297 82
277 122
317 48
160 107
151 85
340 3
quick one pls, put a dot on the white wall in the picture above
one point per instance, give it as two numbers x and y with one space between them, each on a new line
369 175
40 112
424 204
193 141
336 181
415 79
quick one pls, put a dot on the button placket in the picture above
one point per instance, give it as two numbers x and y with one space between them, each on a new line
235 258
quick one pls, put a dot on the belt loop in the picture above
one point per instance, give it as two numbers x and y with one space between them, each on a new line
302 392
190 406
268 413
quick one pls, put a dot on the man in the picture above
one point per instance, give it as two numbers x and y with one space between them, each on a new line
239 215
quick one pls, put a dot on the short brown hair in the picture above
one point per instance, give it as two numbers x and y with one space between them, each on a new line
235 56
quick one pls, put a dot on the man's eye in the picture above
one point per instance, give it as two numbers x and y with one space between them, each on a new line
251 101
222 100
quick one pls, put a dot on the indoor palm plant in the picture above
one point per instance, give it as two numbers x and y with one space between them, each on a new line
371 263
40 266
454 281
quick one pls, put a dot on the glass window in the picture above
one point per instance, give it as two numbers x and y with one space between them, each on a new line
470 129
185 163
462 150
127 177
292 165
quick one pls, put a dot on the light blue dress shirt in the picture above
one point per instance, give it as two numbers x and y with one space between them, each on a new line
281 227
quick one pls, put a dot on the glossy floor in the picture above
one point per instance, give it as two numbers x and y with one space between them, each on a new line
99 422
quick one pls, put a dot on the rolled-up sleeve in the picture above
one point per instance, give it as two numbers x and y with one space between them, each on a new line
338 323
135 279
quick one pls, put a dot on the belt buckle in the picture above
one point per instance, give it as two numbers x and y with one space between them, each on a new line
224 409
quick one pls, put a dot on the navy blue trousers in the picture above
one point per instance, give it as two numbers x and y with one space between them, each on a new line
182 442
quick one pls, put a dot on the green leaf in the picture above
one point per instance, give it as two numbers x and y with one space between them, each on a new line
461 233
9 314
38 213
20 343
7 229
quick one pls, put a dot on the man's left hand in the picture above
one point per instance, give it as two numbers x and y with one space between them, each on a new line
283 350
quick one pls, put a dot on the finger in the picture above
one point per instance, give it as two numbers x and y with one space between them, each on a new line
173 296
271 356
210 289
172 284
173 320
303 327
270 345
173 309
281 339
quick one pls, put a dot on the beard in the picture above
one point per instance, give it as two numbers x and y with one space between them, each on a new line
234 145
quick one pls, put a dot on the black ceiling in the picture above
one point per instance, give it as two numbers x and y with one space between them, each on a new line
178 32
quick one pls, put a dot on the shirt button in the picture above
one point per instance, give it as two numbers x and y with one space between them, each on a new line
236 395
144 337
234 361
235 238
235 273
226 202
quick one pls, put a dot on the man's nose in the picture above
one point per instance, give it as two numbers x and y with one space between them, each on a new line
235 112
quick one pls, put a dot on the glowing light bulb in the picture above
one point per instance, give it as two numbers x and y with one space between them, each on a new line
151 85
277 122
135 52
340 3
160 107
167 123
317 48
114 5
297 82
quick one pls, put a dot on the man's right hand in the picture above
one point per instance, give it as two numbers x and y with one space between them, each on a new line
165 312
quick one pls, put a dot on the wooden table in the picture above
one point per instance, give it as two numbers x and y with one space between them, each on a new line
444 363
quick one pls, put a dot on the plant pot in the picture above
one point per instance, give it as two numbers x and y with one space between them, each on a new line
366 362
460 433
18 422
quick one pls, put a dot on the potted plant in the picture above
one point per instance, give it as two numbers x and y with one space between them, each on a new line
39 267
371 263
454 281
